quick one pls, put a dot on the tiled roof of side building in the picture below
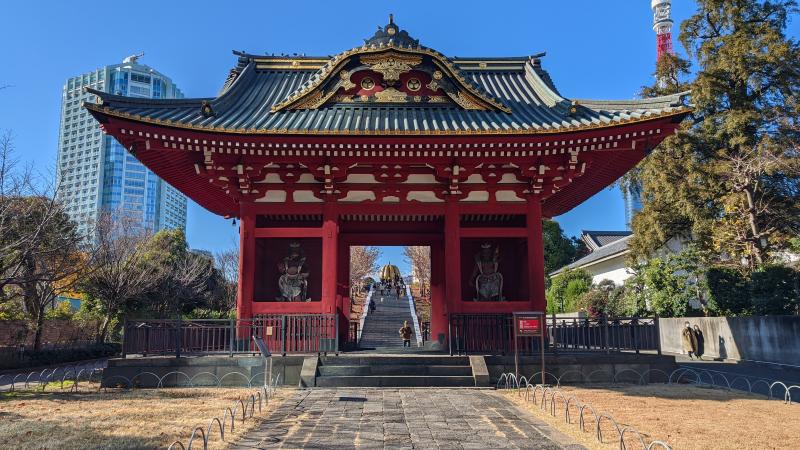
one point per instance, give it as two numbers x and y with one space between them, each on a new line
607 251
599 239
510 95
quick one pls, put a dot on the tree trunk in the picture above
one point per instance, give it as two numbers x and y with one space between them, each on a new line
37 335
103 331
758 250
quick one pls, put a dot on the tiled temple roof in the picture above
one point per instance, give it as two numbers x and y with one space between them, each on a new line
266 94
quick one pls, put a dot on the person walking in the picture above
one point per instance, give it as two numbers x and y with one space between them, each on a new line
405 333
689 340
371 305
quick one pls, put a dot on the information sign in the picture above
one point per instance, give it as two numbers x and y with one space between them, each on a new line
529 326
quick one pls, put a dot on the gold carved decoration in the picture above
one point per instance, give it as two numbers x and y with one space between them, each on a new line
437 75
464 100
346 83
433 85
390 95
315 100
414 84
391 64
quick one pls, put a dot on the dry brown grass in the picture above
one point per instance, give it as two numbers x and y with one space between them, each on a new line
685 417
120 419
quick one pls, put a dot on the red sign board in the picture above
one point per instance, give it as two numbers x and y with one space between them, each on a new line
529 326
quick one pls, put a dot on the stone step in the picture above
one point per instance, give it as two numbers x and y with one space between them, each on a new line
404 360
394 370
395 381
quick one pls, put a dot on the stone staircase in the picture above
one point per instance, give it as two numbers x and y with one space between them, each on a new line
382 326
394 371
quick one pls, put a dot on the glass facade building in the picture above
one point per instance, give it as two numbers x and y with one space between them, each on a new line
632 196
95 173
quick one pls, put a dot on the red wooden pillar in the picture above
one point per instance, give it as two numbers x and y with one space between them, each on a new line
438 300
247 266
343 287
535 255
452 256
330 237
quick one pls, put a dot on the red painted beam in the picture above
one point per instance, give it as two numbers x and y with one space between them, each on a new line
273 307
390 238
494 232
287 232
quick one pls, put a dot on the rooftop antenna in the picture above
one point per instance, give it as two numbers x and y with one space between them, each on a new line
133 58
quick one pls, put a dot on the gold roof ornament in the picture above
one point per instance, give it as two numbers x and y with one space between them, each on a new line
390 272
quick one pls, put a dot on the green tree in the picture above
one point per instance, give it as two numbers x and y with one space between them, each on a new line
558 249
603 299
730 179
565 290
728 291
666 284
775 290
186 279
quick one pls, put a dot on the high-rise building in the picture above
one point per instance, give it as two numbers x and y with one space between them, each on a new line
95 173
632 195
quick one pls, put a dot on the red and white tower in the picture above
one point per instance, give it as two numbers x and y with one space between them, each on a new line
662 25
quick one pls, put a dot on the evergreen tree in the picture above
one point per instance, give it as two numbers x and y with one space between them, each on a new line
729 180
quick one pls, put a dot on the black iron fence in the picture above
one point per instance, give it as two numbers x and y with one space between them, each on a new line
283 334
494 334
606 334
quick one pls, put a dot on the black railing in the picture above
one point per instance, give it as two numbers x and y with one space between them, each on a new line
612 334
480 333
494 334
283 334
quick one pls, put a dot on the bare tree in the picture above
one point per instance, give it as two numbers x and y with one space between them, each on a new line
768 181
419 257
363 263
227 263
118 275
40 250
16 241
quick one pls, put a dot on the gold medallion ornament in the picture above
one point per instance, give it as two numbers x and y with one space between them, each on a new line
413 84
367 83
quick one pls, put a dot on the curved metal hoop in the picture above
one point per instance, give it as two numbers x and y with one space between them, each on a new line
599 430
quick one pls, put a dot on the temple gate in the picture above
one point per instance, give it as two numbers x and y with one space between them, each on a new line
389 143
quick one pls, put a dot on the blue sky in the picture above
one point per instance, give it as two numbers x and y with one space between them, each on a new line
595 49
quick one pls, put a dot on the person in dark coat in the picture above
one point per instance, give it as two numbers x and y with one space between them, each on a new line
405 333
371 305
698 335
689 340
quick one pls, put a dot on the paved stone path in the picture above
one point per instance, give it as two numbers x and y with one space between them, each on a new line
362 418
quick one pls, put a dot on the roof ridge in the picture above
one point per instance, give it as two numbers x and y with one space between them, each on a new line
106 97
